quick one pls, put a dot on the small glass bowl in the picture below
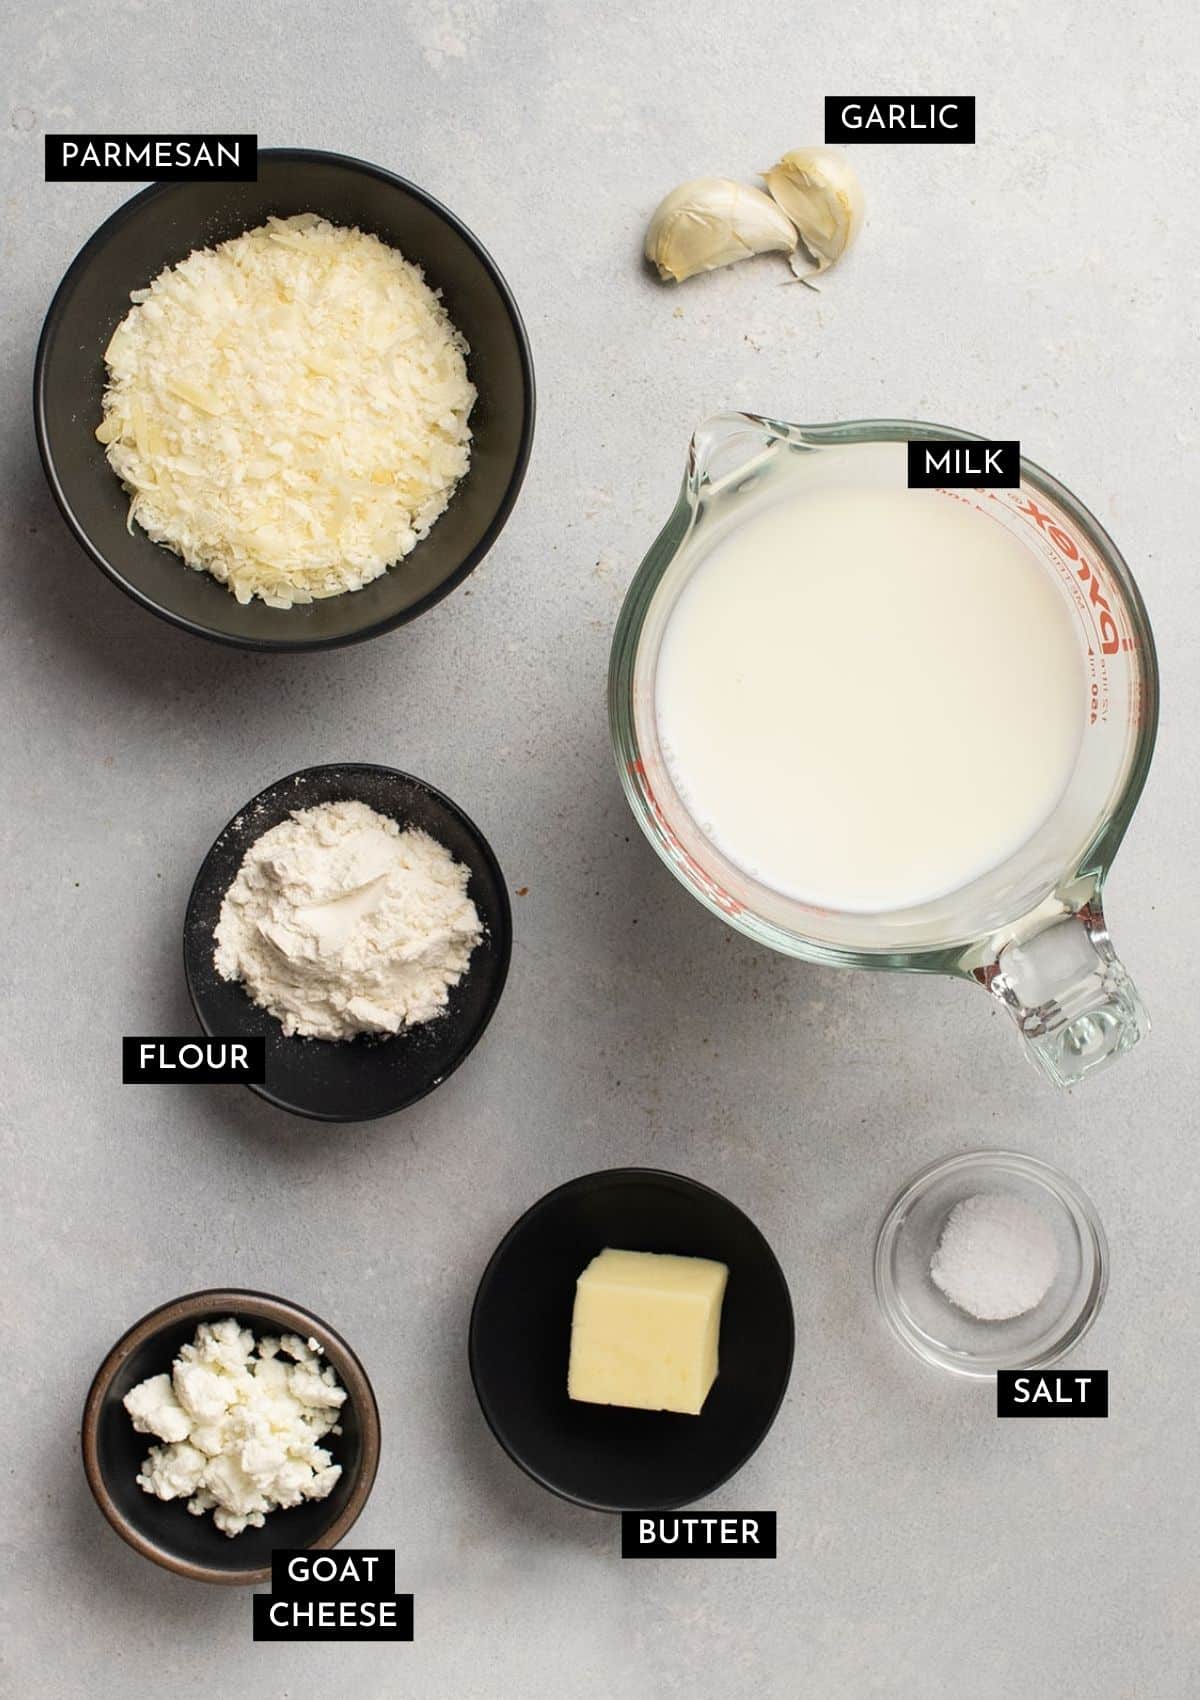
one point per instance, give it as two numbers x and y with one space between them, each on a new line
939 1332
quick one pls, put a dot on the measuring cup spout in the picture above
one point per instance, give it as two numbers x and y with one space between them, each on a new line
1070 995
725 448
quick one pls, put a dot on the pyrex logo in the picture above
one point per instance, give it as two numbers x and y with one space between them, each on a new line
1110 639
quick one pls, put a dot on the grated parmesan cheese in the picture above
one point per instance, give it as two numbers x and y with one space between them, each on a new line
288 411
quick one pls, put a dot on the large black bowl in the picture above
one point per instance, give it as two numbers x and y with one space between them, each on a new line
602 1456
164 1530
357 1079
162 226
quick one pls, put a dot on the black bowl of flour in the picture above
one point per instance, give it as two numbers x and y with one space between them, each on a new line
368 1076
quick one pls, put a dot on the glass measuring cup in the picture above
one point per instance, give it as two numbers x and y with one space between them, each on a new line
1031 930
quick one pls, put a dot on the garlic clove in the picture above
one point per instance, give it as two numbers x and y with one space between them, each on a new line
711 222
820 193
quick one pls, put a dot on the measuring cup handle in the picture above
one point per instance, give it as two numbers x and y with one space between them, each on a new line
1070 995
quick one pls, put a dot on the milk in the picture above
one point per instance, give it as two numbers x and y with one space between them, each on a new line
868 697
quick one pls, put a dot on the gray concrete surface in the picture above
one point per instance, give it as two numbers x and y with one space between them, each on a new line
1040 285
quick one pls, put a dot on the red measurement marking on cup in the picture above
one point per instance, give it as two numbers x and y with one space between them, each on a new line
1086 571
718 894
1057 545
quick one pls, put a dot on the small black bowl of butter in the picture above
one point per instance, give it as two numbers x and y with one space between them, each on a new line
631 1340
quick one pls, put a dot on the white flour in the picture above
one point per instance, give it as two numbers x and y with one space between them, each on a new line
340 923
997 1257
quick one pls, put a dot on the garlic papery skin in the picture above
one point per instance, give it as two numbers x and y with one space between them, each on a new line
711 222
821 195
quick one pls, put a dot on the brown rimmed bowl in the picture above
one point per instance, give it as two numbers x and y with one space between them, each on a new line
164 1530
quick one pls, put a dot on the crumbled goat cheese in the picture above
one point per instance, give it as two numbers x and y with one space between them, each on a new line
155 1409
242 1424
288 411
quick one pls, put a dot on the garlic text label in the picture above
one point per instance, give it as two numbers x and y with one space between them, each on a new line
899 118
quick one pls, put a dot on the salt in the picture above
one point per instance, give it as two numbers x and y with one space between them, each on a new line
996 1257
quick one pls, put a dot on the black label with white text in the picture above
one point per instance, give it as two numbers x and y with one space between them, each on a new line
144 159
717 1534
948 464
1052 1393
345 1595
899 118
149 1060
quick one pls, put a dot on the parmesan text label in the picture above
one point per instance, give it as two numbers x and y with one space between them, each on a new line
143 159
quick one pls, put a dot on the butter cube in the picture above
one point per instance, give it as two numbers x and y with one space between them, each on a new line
645 1329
